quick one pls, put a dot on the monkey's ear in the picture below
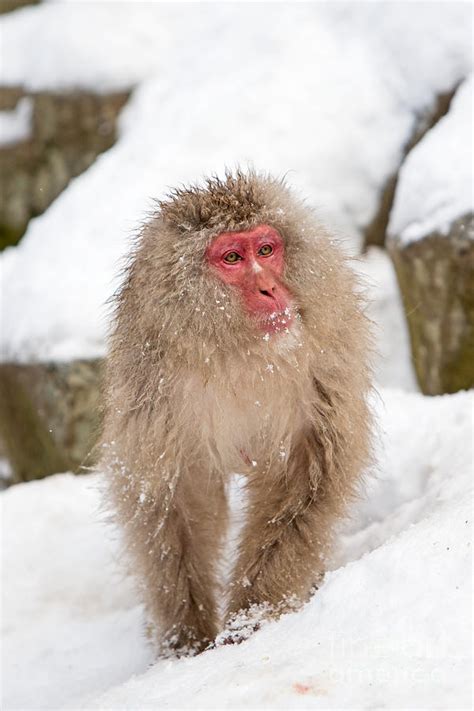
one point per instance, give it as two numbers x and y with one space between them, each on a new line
181 209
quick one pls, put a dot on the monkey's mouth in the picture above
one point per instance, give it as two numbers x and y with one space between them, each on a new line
278 321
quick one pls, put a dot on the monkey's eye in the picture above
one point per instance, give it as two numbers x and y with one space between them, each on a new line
232 257
266 250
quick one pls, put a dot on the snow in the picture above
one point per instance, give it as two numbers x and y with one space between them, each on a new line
390 626
393 367
326 93
15 125
435 186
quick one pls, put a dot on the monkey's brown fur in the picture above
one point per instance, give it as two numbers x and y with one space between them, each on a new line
194 392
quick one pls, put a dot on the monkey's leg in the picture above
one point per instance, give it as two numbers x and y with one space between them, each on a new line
284 544
176 542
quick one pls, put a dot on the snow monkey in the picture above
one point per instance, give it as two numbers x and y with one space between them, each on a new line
239 345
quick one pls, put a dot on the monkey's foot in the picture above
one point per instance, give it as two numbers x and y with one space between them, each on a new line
177 646
184 641
242 624
235 636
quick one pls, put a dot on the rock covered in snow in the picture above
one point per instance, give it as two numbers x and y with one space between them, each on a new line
46 139
432 246
435 185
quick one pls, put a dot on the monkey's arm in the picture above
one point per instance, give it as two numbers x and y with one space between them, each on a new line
292 511
173 510
281 554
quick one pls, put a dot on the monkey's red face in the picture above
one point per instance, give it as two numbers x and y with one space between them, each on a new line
253 262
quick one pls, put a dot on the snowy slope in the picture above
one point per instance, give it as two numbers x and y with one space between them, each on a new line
435 186
390 627
327 93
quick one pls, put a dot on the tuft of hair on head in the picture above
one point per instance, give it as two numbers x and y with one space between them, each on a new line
237 198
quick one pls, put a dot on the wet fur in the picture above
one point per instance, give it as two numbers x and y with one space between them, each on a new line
194 392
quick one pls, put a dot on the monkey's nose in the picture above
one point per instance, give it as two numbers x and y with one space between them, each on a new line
270 292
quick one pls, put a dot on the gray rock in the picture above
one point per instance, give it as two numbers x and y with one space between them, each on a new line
49 416
436 278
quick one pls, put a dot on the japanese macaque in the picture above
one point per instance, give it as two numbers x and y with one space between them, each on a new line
239 345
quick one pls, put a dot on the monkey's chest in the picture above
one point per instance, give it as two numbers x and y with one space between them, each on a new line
246 427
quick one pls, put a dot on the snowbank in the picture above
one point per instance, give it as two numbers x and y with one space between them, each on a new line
393 366
389 627
327 93
435 186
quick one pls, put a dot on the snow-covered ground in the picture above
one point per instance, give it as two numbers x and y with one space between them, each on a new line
389 628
